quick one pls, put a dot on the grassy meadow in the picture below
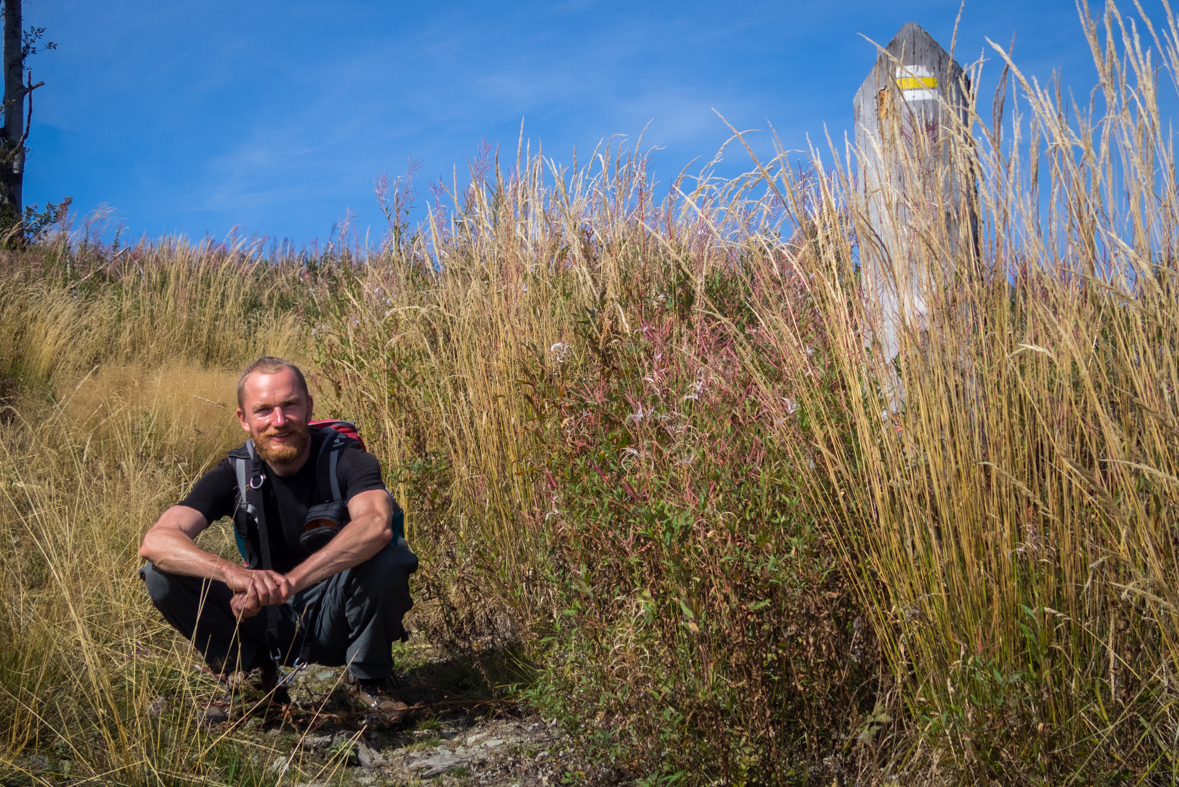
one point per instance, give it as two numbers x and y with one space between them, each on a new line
645 449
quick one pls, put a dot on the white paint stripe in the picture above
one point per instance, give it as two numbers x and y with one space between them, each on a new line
919 95
914 71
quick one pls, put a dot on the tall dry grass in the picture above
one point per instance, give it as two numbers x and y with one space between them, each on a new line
1011 530
430 342
159 303
1008 531
119 393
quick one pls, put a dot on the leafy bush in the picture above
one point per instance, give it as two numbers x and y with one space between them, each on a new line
706 627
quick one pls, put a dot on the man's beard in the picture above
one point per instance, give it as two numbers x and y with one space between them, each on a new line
282 453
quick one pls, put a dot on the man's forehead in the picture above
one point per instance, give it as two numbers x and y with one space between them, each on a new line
278 383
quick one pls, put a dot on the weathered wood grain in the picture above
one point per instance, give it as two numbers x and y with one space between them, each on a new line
914 189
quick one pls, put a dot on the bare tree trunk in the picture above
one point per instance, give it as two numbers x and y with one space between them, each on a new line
12 138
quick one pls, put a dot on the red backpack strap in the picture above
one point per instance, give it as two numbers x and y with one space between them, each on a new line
346 428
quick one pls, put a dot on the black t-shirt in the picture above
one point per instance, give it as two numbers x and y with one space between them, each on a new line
287 498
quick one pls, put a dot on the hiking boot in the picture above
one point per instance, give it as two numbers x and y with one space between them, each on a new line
378 695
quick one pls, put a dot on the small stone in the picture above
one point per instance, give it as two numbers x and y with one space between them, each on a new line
367 758
473 739
280 765
326 674
156 707
38 763
316 742
438 765
274 733
493 743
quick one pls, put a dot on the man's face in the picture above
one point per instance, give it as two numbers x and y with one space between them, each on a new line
275 412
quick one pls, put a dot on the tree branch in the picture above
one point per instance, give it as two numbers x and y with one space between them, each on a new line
28 117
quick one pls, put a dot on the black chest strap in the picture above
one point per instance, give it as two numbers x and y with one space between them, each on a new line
251 476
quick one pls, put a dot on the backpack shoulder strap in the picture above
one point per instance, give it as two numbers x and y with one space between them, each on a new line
328 462
250 477
242 460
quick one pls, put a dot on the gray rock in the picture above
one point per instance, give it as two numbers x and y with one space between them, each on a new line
367 758
438 765
493 743
37 762
317 742
326 674
280 765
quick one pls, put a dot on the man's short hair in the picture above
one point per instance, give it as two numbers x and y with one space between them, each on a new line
269 364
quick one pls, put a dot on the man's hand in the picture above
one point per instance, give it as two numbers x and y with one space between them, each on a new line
253 590
170 546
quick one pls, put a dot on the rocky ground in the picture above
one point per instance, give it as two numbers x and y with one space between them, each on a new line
462 730
450 739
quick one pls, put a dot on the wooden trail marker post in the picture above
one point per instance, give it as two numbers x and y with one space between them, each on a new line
913 188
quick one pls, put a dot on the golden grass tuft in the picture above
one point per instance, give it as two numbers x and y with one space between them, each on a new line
115 415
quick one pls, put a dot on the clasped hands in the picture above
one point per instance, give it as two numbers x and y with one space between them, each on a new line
253 590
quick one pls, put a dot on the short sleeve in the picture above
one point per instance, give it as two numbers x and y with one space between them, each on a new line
215 495
359 471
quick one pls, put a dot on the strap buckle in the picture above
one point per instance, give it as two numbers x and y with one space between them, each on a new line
287 678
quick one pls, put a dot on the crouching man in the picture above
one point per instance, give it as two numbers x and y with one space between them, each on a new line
326 578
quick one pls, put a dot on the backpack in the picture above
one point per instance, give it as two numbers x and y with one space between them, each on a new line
244 459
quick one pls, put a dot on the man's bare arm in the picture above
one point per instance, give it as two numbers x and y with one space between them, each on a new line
370 529
170 545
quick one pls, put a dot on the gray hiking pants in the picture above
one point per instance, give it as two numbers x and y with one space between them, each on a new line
349 619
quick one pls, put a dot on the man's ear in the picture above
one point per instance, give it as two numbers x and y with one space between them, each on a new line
310 407
241 419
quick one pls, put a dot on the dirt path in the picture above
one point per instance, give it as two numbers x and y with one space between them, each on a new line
460 734
484 752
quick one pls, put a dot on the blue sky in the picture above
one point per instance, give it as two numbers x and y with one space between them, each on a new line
193 117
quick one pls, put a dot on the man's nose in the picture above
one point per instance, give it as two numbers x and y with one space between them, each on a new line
279 417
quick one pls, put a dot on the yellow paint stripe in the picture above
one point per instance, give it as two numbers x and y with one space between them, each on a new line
915 83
